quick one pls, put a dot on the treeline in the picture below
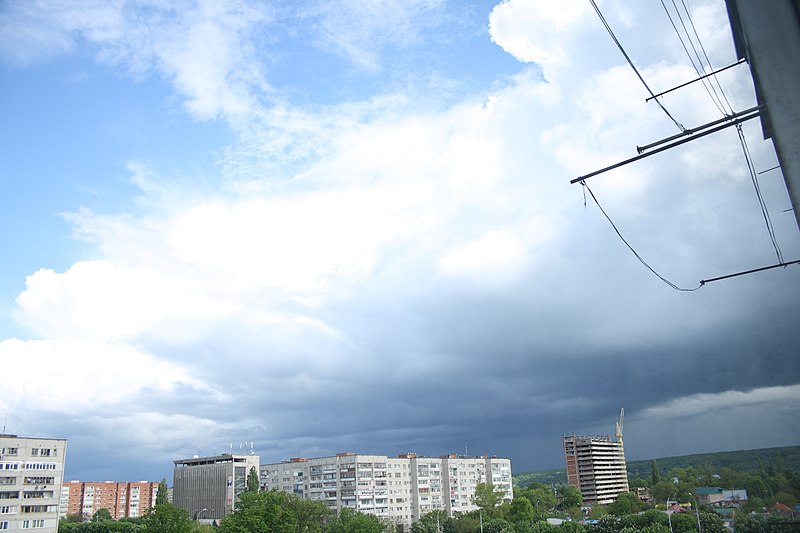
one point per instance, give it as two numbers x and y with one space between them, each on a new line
742 460
767 486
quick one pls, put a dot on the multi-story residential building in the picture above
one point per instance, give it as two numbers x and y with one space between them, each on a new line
596 466
207 487
121 499
396 489
31 473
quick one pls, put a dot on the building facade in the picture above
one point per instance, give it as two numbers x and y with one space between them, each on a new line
207 487
396 489
121 499
31 474
596 465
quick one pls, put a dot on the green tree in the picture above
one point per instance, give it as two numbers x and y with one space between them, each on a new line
262 512
253 483
663 491
569 496
102 515
655 474
166 518
432 522
487 497
351 521
521 511
162 496
625 504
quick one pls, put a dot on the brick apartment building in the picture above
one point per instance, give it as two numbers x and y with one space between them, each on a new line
122 499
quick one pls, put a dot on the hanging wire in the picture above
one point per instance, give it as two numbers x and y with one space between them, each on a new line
630 62
698 69
703 48
635 253
754 178
726 111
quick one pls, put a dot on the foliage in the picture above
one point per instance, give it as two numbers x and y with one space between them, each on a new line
655 473
569 496
772 524
274 512
252 480
166 518
487 497
432 522
521 510
541 497
102 515
745 461
497 525
162 496
351 521
106 526
625 504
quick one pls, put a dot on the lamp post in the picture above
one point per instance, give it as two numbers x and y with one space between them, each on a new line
697 511
669 514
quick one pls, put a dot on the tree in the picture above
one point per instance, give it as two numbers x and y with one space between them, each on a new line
102 515
432 522
655 474
253 483
625 504
162 496
569 496
487 497
521 510
262 512
166 518
351 521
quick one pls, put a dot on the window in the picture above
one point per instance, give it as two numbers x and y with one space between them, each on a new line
7 480
7 509
9 494
34 452
3 525
45 452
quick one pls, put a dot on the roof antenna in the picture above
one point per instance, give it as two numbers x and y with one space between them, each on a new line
5 421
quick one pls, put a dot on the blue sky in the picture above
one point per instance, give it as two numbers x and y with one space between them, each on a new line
340 227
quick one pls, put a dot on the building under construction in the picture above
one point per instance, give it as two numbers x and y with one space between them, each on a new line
596 465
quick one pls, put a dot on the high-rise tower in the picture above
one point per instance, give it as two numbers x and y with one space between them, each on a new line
596 465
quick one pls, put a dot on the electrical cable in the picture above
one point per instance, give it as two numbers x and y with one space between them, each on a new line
699 70
703 48
726 112
630 62
754 178
635 253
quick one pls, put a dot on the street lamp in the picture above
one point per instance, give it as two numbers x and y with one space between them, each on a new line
669 514
697 511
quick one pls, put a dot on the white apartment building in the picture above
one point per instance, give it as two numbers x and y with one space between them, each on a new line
396 489
31 474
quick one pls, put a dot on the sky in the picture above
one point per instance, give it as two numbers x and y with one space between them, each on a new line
308 227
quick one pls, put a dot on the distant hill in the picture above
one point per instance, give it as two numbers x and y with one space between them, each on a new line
743 460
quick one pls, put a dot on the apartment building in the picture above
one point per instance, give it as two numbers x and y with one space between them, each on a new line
121 499
396 489
31 473
207 487
596 465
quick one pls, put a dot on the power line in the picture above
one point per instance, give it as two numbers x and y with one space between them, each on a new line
703 48
754 178
725 111
635 253
630 62
698 69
